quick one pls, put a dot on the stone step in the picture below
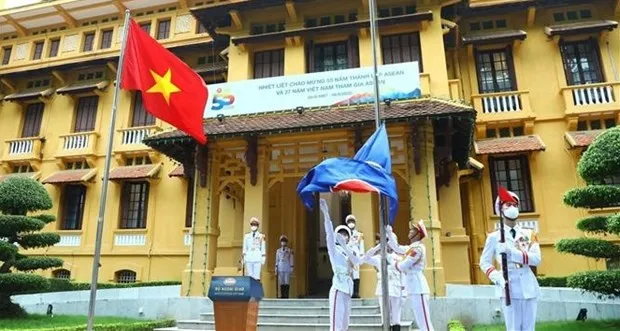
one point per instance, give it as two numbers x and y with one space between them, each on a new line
313 302
304 311
303 319
201 325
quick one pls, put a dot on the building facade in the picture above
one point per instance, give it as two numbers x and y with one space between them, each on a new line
539 79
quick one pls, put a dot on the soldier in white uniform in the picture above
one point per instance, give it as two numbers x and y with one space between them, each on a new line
254 250
395 286
357 245
343 260
522 252
412 264
284 266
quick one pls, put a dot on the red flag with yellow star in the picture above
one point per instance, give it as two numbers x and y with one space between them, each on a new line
171 90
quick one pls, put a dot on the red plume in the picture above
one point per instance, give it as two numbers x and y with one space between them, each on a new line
505 196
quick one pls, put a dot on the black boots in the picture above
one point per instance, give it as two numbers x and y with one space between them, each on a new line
284 291
356 289
395 328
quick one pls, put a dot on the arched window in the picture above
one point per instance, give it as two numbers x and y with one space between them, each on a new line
125 276
61 274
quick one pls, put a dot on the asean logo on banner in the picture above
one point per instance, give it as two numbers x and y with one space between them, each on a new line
230 281
222 99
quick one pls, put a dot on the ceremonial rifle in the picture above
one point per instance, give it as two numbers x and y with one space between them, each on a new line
502 239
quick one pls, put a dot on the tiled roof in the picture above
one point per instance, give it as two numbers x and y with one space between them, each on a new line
83 87
135 172
179 171
30 94
509 145
32 175
70 176
581 138
211 67
580 27
494 37
290 121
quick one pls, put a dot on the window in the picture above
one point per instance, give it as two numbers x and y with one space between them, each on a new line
581 62
495 71
125 276
140 116
514 174
269 63
22 169
38 50
333 56
89 39
61 274
596 124
138 160
32 120
54 45
163 29
76 165
256 29
189 205
146 27
6 55
106 39
134 204
86 114
401 48
73 199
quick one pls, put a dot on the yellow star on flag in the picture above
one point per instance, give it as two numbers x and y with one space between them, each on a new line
163 85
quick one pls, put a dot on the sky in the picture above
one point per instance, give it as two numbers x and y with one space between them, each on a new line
5 4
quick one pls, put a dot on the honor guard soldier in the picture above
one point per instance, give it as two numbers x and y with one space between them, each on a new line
522 252
253 250
284 266
373 258
357 245
343 261
412 265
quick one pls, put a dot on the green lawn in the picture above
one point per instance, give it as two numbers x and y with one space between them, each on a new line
45 322
561 326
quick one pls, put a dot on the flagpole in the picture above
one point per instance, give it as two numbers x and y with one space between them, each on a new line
106 175
382 206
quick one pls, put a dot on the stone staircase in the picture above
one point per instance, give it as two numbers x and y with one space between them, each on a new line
298 315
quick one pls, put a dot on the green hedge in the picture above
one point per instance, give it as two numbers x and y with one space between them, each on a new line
603 283
140 326
593 196
455 325
601 159
594 224
62 285
552 281
590 247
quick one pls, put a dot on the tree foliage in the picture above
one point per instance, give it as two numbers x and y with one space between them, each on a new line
597 166
19 231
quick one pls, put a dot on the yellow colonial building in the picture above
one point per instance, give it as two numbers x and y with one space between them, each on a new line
511 93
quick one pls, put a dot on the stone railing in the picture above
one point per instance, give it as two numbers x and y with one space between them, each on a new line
591 97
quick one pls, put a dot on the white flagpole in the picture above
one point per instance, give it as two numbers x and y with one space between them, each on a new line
106 175
372 6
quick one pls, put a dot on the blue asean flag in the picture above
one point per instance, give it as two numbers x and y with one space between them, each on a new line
370 170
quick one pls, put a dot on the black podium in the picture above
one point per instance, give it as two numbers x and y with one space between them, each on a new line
235 302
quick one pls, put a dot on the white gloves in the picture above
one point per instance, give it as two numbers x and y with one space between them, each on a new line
263 260
324 208
498 279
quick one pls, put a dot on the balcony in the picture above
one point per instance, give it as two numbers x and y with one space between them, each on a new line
600 97
503 106
79 144
130 139
22 149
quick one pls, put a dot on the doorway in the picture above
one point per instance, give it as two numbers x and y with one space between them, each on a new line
319 268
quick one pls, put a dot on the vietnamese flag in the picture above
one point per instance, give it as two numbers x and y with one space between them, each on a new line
171 90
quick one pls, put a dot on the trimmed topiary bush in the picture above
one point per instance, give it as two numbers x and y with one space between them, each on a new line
598 165
19 231
455 325
552 281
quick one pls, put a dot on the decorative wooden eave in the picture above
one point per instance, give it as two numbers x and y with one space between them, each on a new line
82 87
340 27
39 93
251 157
496 37
580 28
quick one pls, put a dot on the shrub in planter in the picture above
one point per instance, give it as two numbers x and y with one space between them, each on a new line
455 325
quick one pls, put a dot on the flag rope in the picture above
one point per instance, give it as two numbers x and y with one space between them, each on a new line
193 233
430 213
208 223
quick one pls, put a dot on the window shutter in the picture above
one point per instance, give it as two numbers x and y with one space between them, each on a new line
511 68
353 51
309 56
565 64
478 62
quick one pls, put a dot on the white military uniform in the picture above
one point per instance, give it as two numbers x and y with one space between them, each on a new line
343 261
356 242
253 253
394 282
284 264
522 252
